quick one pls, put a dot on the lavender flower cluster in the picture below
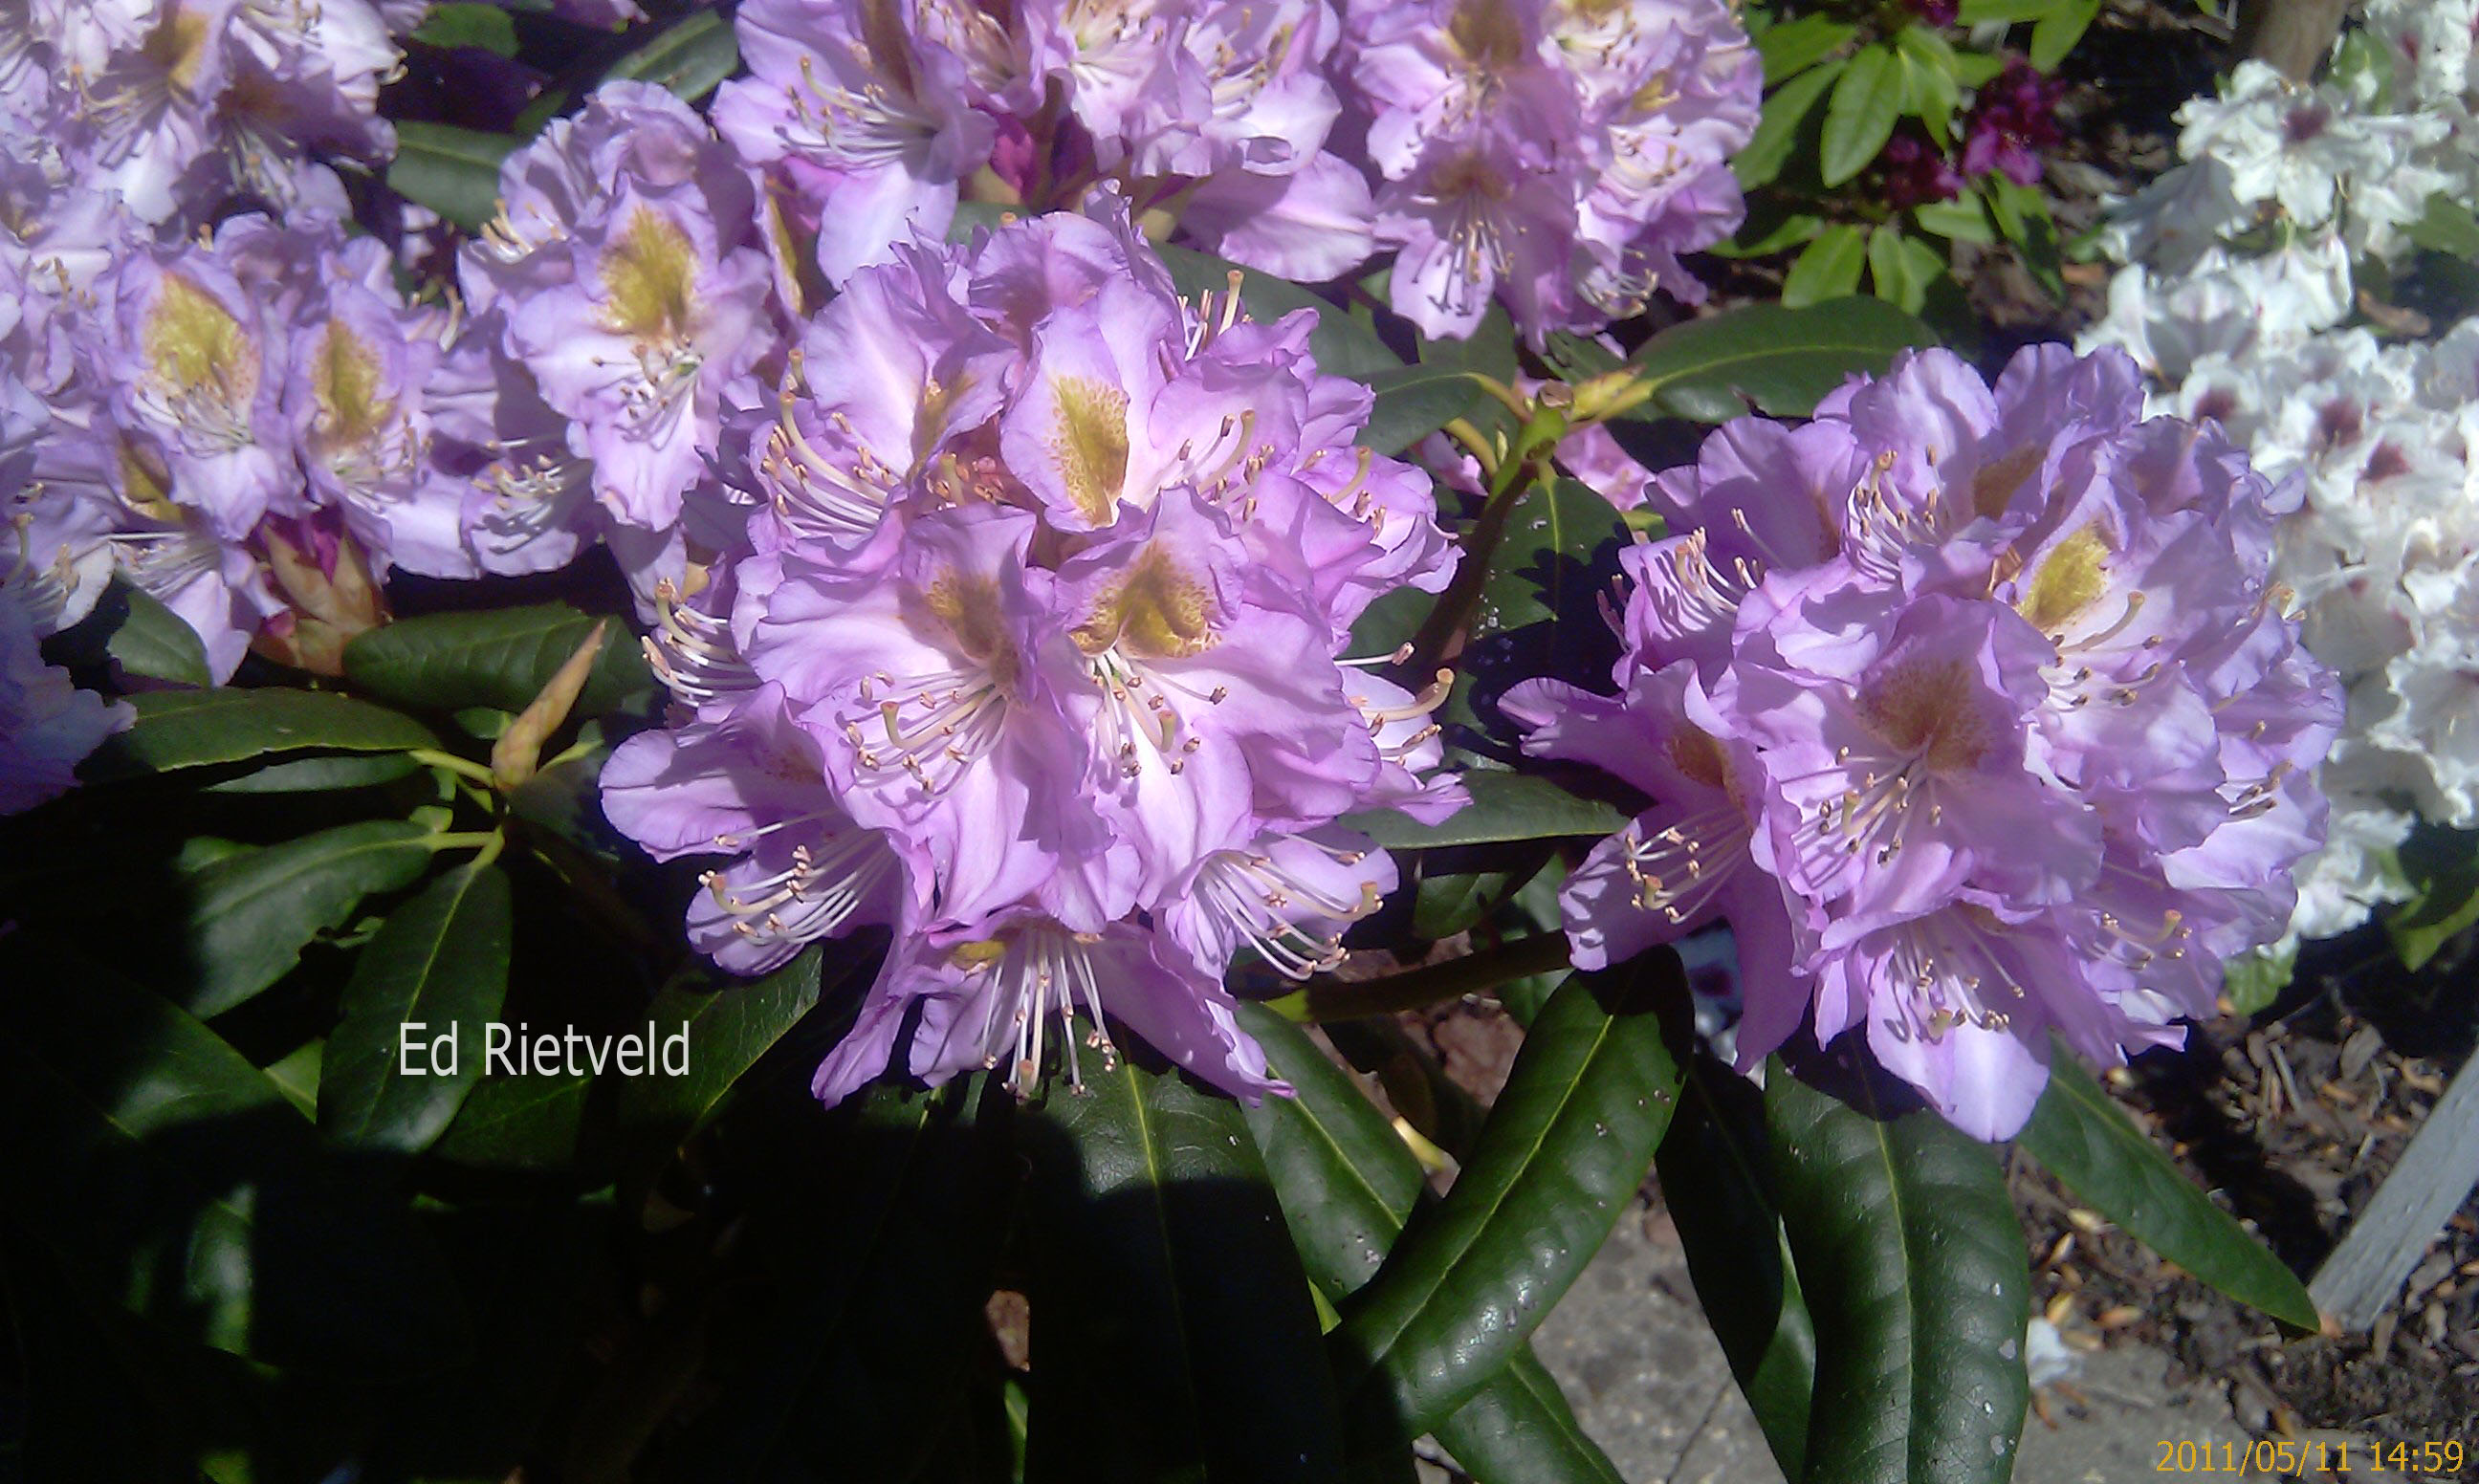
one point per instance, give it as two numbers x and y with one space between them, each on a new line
1559 154
1033 650
1975 713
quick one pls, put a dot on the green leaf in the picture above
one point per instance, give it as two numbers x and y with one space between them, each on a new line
1911 1261
1790 231
1794 46
1777 127
2252 981
1972 13
1929 88
1173 1321
496 657
452 24
453 172
319 775
2056 34
297 1076
521 1123
1738 1254
2447 227
729 1026
1962 220
1505 807
1827 269
1564 1149
691 59
1779 358
251 915
437 968
2086 1142
1347 1184
147 638
1860 116
1415 402
1900 269
2022 214
1342 347
194 729
2443 867
1978 69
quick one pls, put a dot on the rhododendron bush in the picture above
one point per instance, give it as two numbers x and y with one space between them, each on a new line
705 710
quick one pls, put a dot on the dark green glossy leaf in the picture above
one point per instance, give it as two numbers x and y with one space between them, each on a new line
437 968
149 639
453 24
1347 1184
1416 401
2104 1159
192 728
1564 1149
1859 118
691 58
496 657
1777 128
250 914
1738 1254
1176 1335
1544 561
729 1024
1780 359
453 172
1505 807
519 1123
319 775
1911 1261
1827 269
1340 346
1794 46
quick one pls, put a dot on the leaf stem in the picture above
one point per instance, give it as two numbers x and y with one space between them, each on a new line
432 758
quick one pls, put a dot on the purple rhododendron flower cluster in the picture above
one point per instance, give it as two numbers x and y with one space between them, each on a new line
1972 710
1031 649
876 117
2010 122
236 422
1563 154
180 105
1560 154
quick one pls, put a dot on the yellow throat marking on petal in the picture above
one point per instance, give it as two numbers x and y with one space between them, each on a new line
2070 577
179 46
1154 610
145 484
977 954
196 344
345 380
1926 707
1090 442
1993 487
1487 34
650 276
969 606
1694 752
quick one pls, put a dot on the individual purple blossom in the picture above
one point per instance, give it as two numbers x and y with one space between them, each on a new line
47 725
625 276
2010 122
1557 156
1974 713
1053 574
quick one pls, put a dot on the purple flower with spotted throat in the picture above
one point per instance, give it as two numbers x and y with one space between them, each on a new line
1049 580
1972 710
